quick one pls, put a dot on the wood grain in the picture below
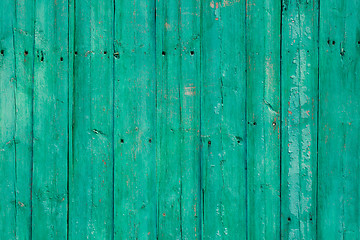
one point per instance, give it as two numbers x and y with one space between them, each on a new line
338 170
50 121
299 93
134 120
223 126
91 169
263 23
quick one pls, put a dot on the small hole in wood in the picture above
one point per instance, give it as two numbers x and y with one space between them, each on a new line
163 53
333 42
105 52
209 142
192 52
254 123
26 53
2 52
359 42
289 219
150 140
122 140
61 59
328 41
75 52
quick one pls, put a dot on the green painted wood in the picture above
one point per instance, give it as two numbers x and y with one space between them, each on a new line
24 41
8 121
299 93
168 122
223 126
134 120
178 119
263 23
16 117
338 199
91 168
50 121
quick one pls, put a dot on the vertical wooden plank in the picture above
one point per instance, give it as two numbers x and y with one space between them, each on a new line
16 121
263 108
50 143
299 90
189 97
24 50
71 66
8 120
168 125
339 126
178 119
134 120
91 169
223 119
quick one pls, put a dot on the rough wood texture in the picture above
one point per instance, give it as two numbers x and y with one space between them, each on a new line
91 169
50 121
223 126
167 119
299 92
178 119
134 116
339 129
16 99
263 118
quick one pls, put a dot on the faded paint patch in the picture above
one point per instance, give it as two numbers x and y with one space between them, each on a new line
167 26
222 4
190 91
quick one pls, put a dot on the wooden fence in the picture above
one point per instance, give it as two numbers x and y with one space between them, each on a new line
179 119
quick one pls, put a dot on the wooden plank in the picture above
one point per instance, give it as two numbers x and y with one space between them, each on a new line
134 120
168 125
71 99
339 126
299 91
8 120
178 119
16 121
223 120
50 126
91 169
263 109
24 50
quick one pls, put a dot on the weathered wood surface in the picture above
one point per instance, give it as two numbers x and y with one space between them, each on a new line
263 20
299 110
339 129
190 119
223 120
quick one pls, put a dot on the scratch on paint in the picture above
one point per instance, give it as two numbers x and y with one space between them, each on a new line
271 108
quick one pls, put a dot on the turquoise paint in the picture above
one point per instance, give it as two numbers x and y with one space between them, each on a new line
179 119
